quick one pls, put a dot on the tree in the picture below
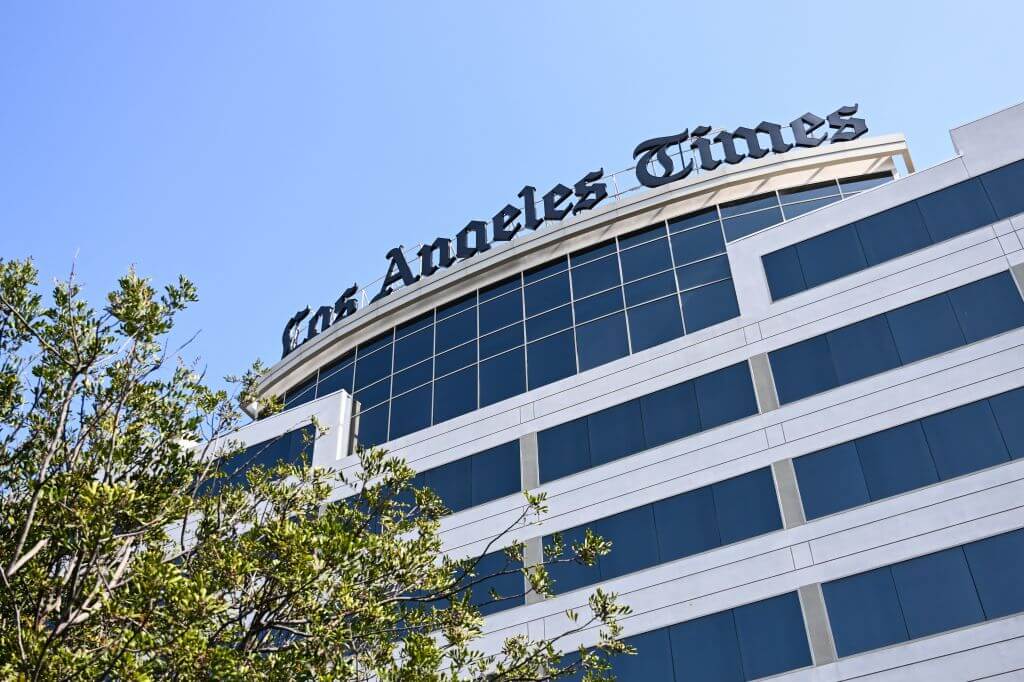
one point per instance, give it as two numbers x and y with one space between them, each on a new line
125 553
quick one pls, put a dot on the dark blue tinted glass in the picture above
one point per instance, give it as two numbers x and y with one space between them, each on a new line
547 294
741 226
822 189
455 394
595 276
414 348
373 367
550 359
563 449
707 649
546 270
965 439
650 288
896 460
509 586
996 566
1009 409
703 272
831 255
831 480
615 432
708 305
501 312
864 612
746 506
456 330
757 203
645 259
335 381
501 340
373 395
686 524
853 185
937 593
592 253
295 397
862 349
495 472
548 323
412 377
598 305
421 322
653 659
499 288
988 307
892 233
372 426
1003 188
410 412
502 376
803 369
772 636
925 328
570 576
670 413
642 236
957 209
634 542
601 341
725 395
693 219
457 306
653 323
785 277
697 244
794 210
375 344
457 358
451 482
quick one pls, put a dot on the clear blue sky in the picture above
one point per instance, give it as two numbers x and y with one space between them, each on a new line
274 152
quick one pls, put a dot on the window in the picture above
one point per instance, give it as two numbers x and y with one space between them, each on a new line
746 506
504 590
293 448
965 439
830 256
707 649
831 480
888 235
803 369
615 432
957 209
862 349
655 323
772 636
925 328
937 593
864 612
1008 408
564 449
995 566
476 479
1003 188
602 340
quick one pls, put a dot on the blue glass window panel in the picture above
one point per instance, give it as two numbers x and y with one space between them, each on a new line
597 305
540 272
499 288
803 369
412 377
410 412
784 274
547 294
451 482
645 259
853 185
642 236
742 225
703 272
414 348
548 323
892 233
615 432
707 649
501 312
550 359
988 307
697 244
653 659
502 376
1003 187
807 192
373 395
757 203
996 566
455 394
925 328
864 612
650 288
455 330
709 305
375 344
772 636
956 209
965 439
457 358
831 480
863 349
372 426
592 253
653 323
563 449
793 210
691 220
570 575
670 413
725 395
595 276
937 593
1009 410
415 324
495 472
831 255
502 340
746 506
373 367
634 542
896 460
340 379
457 306
601 341
509 586
302 393
687 524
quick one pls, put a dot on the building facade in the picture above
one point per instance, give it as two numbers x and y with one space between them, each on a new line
790 390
